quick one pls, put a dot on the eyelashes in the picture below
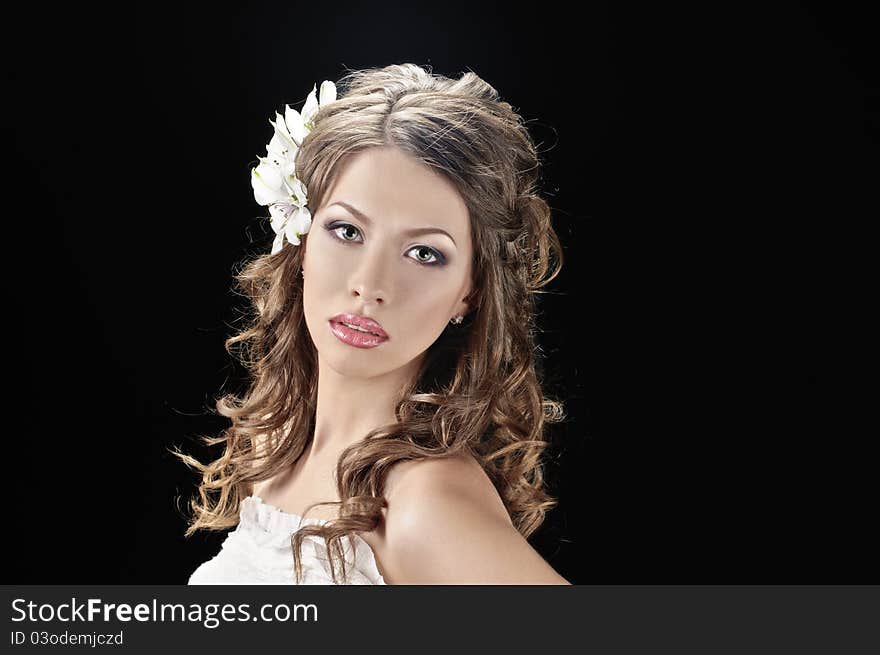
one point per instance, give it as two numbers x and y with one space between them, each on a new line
439 258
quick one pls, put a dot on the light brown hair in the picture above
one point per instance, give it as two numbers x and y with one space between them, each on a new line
477 391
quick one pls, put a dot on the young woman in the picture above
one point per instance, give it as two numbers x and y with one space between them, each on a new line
391 350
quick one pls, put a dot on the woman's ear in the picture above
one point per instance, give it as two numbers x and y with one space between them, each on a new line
465 305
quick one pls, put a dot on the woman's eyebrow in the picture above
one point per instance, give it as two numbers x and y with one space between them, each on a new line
414 232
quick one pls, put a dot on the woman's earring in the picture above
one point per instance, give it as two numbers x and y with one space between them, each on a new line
457 320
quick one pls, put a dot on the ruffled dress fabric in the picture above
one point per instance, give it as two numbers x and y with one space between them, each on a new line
258 551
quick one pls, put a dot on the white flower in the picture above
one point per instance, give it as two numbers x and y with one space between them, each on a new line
290 217
274 181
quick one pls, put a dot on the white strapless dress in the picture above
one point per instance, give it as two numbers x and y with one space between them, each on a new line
258 551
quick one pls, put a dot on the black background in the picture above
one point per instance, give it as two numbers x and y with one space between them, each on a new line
705 168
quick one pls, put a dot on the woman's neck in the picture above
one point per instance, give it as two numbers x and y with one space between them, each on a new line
348 407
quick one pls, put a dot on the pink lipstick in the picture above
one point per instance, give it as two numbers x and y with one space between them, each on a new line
358 331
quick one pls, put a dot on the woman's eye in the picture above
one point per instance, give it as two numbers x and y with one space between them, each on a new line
424 251
346 229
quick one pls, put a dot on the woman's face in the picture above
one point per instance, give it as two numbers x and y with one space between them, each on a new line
391 262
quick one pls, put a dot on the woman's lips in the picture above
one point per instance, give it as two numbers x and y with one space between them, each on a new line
354 337
357 321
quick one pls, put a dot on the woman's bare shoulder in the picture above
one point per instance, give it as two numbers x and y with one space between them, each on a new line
413 483
446 524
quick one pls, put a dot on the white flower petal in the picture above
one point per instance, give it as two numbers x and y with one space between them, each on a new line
264 194
280 148
282 131
299 192
328 93
279 213
301 221
290 233
296 196
278 243
311 107
297 225
269 174
294 121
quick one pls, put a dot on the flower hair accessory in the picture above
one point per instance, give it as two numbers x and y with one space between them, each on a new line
274 181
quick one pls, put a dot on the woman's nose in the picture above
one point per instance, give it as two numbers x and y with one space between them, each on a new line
371 278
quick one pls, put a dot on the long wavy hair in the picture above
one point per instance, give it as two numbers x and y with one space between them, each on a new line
477 391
